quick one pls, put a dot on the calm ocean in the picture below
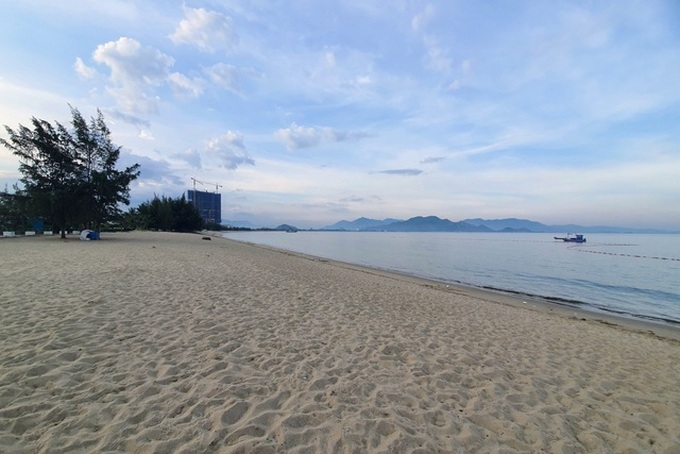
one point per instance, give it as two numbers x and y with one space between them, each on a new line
630 275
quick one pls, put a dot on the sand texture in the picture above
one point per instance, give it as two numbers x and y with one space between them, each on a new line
160 342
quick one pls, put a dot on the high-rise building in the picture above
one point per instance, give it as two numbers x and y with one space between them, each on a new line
209 204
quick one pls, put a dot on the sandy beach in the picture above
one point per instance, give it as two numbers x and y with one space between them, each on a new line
159 342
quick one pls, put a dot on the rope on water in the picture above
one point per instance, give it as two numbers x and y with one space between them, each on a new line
619 254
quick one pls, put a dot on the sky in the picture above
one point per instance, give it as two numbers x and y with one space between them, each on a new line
310 112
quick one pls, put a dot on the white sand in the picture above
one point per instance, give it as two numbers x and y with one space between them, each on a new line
152 342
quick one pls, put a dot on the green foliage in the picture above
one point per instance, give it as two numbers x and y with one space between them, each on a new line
13 211
168 214
70 176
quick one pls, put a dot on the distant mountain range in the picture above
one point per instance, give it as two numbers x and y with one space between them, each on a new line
430 224
435 224
361 224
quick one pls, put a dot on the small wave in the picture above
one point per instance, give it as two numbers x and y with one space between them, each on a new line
587 305
551 299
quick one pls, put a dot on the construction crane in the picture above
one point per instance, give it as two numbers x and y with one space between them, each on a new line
217 186
207 204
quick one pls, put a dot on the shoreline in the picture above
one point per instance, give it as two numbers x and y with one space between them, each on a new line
164 342
661 328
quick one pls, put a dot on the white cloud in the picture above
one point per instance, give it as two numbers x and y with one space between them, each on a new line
130 63
402 172
421 19
135 70
331 75
364 80
208 31
146 135
432 159
230 150
296 137
182 84
224 75
84 71
333 135
330 59
436 57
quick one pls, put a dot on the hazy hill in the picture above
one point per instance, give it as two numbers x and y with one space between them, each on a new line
431 224
526 225
286 228
509 224
436 224
360 224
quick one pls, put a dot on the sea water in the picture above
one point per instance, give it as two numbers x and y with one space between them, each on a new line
627 274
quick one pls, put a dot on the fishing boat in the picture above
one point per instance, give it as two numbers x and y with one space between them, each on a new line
572 238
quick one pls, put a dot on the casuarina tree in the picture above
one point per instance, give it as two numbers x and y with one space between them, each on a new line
166 213
69 175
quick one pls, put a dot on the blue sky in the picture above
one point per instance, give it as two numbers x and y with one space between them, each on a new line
309 112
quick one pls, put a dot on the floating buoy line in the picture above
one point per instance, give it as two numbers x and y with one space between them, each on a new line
580 247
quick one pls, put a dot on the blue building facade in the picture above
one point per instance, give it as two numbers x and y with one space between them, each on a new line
209 205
